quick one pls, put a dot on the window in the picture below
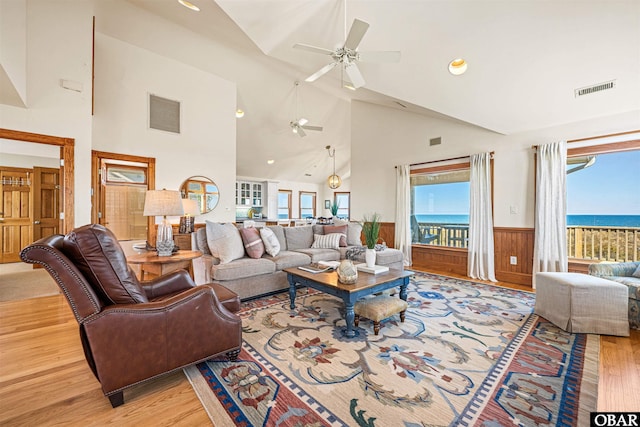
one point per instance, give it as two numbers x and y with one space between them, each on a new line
307 205
603 203
440 205
343 199
284 204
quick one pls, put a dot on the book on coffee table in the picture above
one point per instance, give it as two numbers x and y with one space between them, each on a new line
316 267
376 269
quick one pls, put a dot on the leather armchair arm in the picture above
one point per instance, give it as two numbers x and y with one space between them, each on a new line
133 342
168 283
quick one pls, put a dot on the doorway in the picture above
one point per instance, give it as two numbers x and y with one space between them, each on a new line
23 202
119 183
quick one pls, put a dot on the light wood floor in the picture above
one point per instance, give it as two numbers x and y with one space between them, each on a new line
45 380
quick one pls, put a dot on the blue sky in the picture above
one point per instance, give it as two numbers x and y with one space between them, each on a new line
611 186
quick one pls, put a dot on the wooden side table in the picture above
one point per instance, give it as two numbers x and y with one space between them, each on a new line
152 264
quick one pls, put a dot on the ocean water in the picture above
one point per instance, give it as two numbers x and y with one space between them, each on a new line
584 220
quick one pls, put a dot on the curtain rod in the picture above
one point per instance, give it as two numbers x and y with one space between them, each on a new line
569 141
443 160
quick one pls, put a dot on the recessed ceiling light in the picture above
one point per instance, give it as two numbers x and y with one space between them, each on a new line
239 113
189 5
270 161
457 66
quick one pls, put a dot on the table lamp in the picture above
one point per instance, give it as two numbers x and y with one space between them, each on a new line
191 209
163 203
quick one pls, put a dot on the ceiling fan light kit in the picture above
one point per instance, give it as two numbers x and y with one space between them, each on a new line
298 125
348 56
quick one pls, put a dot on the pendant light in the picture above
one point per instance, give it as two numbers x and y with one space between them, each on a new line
334 181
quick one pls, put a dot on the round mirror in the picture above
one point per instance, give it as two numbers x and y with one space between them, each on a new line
203 191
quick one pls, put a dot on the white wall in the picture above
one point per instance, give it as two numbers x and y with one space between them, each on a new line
13 47
59 47
383 138
125 76
21 161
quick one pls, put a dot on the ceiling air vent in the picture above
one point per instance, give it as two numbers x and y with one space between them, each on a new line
595 88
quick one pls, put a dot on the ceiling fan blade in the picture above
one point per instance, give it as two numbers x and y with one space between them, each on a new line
322 71
313 49
318 128
301 132
380 56
354 75
356 33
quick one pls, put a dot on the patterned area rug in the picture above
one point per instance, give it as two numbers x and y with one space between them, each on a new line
467 354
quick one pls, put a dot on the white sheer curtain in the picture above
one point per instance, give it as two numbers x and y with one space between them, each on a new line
480 264
403 210
550 248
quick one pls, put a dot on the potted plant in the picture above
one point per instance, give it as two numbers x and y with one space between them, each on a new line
371 232
334 208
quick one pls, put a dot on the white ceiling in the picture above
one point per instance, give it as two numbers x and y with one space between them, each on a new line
525 58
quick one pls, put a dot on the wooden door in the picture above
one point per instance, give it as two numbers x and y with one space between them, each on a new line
46 202
15 212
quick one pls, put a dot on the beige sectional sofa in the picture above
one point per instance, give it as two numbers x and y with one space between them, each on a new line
253 277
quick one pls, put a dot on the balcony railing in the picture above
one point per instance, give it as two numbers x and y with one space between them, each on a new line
618 244
439 234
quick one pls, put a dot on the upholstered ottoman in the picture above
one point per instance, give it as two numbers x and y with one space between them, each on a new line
378 308
580 303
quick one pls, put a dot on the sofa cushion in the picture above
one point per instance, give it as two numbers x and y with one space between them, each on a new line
278 231
299 237
326 241
253 245
286 259
317 255
96 252
270 241
354 230
201 241
224 241
243 267
342 229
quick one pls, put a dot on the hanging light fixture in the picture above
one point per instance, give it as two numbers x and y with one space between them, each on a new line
334 180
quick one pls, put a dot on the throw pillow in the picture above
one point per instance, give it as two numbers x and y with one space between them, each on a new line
326 241
270 241
252 242
224 241
354 230
637 272
342 229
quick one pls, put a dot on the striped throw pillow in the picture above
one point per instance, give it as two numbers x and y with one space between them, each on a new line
326 241
252 242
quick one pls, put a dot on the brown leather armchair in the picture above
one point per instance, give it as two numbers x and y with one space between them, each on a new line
132 332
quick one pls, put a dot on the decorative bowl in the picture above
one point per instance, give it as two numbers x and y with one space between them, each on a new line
347 272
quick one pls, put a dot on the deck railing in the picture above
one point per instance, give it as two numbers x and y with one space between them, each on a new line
617 244
439 234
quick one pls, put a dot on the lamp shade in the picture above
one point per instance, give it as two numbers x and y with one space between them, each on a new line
163 203
191 207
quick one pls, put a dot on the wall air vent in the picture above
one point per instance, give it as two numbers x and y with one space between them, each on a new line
595 88
435 141
164 114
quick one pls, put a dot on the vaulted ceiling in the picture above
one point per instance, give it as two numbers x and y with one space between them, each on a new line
526 59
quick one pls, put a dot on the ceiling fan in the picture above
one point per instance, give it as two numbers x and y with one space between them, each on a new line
299 125
348 55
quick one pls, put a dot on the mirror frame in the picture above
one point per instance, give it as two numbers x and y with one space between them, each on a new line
184 192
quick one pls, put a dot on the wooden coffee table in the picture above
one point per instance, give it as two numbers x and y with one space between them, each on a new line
151 263
367 284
